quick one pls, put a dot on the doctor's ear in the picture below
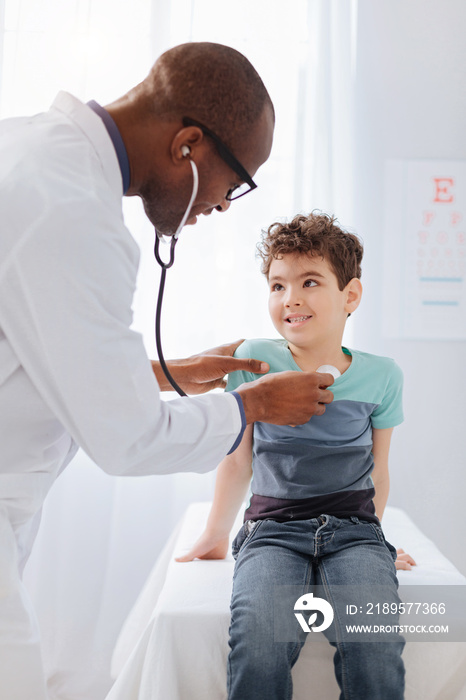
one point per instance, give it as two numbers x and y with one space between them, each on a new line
353 294
185 142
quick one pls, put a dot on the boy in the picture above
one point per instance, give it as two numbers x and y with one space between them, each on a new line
318 490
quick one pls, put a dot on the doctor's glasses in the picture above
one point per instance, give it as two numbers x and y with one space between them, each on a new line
226 155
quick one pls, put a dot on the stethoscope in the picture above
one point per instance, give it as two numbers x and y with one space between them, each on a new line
185 151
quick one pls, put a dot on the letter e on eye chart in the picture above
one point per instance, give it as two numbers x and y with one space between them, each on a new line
425 249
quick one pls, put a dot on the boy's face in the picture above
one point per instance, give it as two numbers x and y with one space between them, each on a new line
305 304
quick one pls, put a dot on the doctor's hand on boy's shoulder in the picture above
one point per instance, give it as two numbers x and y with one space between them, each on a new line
206 371
286 398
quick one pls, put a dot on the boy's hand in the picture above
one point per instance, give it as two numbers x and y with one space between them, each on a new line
200 373
286 398
207 547
404 561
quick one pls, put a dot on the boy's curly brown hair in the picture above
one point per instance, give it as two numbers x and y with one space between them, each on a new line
315 234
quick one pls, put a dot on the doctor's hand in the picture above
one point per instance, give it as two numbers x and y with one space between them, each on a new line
200 373
286 398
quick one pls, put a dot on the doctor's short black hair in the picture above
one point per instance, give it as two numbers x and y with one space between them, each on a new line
315 234
211 83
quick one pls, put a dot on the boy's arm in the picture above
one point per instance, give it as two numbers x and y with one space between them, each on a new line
381 438
233 479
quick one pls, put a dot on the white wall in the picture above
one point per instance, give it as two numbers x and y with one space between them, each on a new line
411 103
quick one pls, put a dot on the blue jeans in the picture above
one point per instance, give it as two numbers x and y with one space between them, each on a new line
327 552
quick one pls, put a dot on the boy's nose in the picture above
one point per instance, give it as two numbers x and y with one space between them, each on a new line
293 299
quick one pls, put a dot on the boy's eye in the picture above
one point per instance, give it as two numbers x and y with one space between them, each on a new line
276 287
310 283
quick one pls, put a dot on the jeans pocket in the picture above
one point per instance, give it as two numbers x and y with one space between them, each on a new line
243 536
381 537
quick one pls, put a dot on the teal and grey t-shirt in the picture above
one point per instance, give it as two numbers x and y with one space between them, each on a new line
325 465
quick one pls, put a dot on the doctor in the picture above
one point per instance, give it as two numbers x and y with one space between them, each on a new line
72 373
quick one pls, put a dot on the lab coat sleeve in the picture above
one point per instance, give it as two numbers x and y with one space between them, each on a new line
67 291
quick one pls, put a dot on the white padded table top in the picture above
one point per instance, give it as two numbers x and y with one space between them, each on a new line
174 644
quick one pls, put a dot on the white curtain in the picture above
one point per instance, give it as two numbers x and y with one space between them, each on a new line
101 535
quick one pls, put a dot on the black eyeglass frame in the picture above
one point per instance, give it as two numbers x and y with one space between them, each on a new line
227 156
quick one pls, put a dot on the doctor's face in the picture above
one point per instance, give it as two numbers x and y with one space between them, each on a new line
165 202
165 199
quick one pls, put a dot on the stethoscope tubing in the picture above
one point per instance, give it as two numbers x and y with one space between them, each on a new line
166 266
158 313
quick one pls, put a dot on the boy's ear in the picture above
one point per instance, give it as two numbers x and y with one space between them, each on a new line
353 292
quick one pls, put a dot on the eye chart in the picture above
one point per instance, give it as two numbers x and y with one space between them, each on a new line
425 250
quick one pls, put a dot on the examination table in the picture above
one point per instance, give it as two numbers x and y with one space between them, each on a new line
174 644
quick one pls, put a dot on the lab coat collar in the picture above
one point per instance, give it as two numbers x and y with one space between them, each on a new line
94 129
118 143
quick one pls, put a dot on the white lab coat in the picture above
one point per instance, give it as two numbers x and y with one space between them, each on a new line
72 373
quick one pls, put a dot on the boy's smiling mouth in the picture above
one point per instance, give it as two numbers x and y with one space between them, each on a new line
297 319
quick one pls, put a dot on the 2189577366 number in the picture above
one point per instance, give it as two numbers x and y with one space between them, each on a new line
412 608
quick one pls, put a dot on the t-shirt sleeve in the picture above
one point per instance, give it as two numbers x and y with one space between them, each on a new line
389 413
244 351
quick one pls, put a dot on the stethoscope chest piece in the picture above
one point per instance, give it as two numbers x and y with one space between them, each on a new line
329 369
